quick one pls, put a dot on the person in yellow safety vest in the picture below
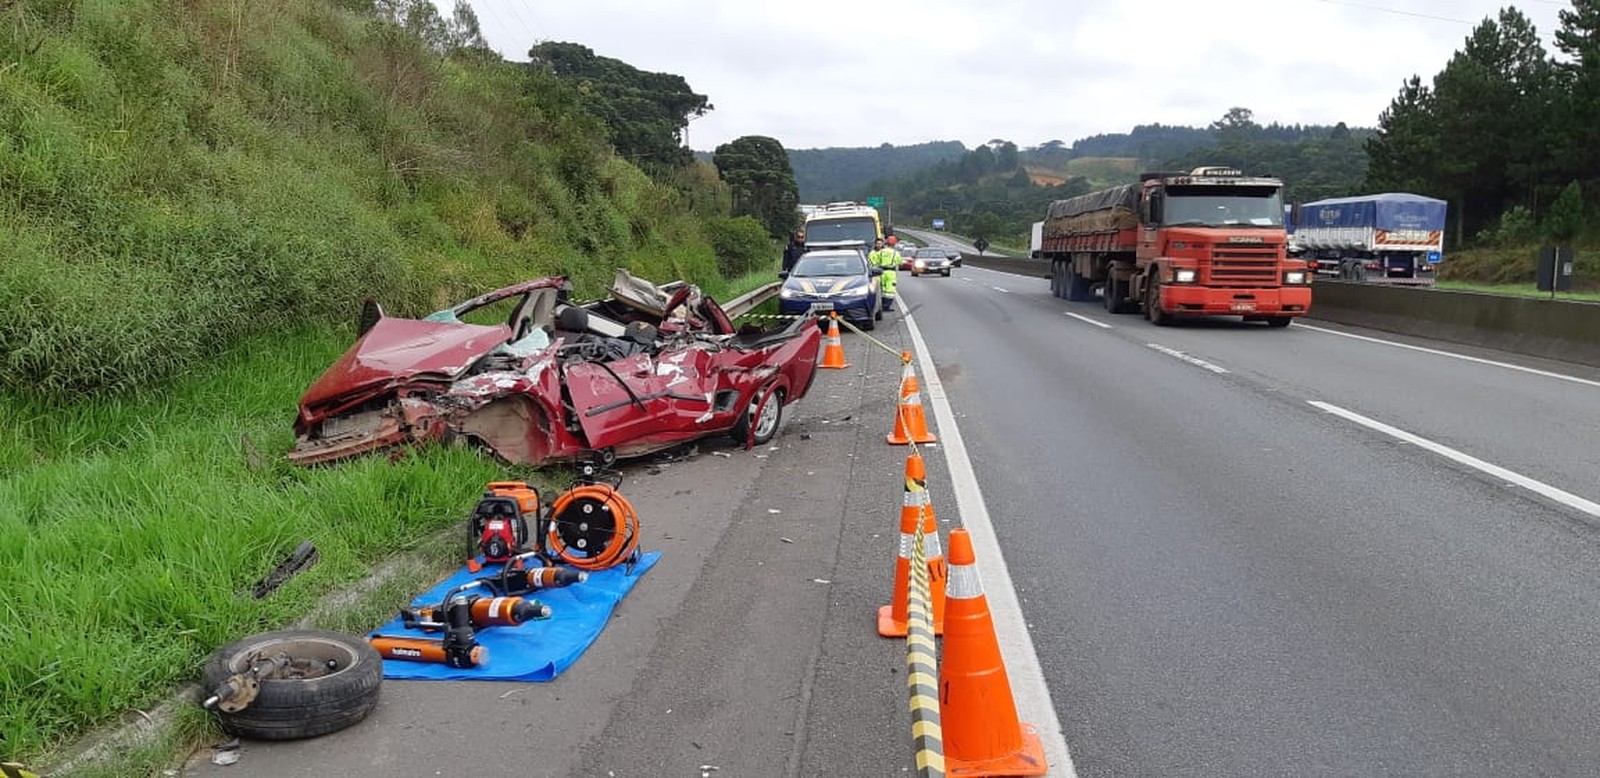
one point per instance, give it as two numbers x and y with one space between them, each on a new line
887 258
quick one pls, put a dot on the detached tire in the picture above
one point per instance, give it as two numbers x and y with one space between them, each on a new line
294 708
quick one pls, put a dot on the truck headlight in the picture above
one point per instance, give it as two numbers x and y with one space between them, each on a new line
1294 277
1183 276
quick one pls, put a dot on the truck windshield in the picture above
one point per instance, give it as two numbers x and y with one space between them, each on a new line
1223 206
855 228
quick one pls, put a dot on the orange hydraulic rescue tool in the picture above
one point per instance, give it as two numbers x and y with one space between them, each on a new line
459 616
516 578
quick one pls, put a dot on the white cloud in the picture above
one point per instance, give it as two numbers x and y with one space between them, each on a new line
850 73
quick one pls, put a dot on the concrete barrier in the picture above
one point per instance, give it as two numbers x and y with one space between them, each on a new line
1024 267
1555 329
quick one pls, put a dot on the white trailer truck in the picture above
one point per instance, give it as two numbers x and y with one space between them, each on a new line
1393 237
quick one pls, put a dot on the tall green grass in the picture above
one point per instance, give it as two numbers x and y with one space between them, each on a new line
194 200
131 531
177 177
1512 268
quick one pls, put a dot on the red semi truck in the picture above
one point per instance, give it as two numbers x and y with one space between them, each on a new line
1210 242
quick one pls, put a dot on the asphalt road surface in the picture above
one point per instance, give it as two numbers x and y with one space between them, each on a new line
750 648
1245 551
1237 551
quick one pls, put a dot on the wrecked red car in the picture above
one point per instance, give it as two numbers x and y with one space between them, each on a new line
536 378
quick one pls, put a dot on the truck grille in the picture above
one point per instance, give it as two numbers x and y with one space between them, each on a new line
1244 266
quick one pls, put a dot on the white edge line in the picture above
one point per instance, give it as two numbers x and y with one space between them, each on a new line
1190 358
1537 487
1087 320
1437 352
1011 629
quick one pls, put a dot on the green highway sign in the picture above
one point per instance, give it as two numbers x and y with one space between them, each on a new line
875 202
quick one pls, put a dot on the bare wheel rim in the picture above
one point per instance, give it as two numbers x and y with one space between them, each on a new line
769 408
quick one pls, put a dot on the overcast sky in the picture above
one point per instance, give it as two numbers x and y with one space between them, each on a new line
827 73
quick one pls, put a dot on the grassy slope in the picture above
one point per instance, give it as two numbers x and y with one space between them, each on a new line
195 197
179 176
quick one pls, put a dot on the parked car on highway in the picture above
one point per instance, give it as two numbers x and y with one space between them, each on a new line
832 280
930 260
535 378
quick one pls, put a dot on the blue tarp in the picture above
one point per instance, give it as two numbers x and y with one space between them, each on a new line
1391 211
533 651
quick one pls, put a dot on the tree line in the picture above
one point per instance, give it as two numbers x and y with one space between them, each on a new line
1507 133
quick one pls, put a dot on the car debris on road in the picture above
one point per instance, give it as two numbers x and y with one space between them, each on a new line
535 378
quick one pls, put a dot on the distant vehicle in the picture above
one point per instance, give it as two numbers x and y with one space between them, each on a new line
1203 243
930 260
832 280
1393 237
843 225
954 254
1036 241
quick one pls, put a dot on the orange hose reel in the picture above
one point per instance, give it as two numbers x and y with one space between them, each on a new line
592 527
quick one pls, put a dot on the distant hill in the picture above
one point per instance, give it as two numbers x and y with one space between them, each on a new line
841 173
1147 142
1099 172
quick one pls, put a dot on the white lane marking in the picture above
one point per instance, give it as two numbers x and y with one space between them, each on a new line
1464 357
1537 487
1011 629
998 289
1087 320
1193 360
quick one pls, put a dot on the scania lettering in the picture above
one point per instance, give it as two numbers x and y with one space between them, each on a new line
1208 242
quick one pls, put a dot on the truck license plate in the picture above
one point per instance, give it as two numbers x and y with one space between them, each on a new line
1244 306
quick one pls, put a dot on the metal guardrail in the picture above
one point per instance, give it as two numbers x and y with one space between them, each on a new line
751 300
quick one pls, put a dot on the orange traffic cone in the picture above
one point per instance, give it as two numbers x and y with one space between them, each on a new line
894 618
833 352
908 377
981 733
909 423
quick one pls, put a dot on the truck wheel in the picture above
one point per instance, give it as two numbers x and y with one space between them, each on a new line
1079 290
1055 279
1152 304
1115 291
334 683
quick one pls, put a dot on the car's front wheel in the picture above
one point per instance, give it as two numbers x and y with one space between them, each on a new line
766 411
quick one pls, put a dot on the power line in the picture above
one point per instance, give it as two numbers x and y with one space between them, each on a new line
526 28
1397 11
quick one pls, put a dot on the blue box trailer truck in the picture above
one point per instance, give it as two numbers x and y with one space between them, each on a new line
1393 237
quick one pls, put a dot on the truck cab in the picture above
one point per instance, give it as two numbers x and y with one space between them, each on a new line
1207 242
1212 242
